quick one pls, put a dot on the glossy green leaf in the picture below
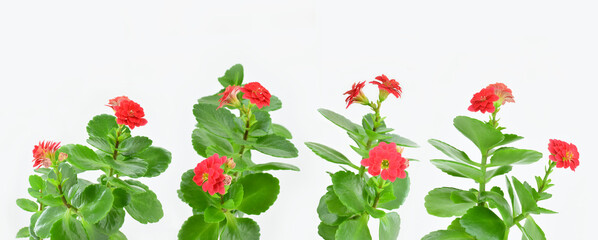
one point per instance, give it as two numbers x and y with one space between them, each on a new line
533 230
260 191
134 145
157 160
354 229
280 130
335 206
481 134
193 194
528 203
102 125
508 156
101 143
456 225
276 146
133 189
133 167
389 226
23 233
273 166
509 138
499 202
341 121
235 194
27 205
458 169
438 203
464 196
497 171
400 190
349 189
448 235
240 229
94 203
375 213
117 236
82 157
329 154
275 104
122 198
46 220
68 228
326 231
112 222
483 224
36 182
232 76
195 228
327 217
144 207
452 152
213 215
400 141
218 121
515 204
200 141
262 126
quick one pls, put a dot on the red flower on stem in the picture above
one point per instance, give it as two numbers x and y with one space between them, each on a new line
564 154
44 152
127 112
229 96
483 101
210 176
356 94
503 92
385 160
387 86
257 94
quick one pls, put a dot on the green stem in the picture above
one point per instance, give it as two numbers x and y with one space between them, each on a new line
482 189
115 153
368 145
378 193
59 179
541 189
247 113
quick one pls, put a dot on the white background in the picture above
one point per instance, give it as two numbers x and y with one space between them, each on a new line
61 61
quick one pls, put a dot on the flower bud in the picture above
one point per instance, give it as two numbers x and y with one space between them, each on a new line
62 156
228 180
230 164
400 149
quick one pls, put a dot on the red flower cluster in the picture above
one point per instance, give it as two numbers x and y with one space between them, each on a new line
210 176
503 92
387 161
390 86
127 112
43 153
483 101
229 96
356 95
564 154
256 94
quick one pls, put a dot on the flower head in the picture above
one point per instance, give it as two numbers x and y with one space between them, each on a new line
386 161
257 94
564 154
128 112
44 153
210 176
503 92
229 96
356 94
483 101
387 86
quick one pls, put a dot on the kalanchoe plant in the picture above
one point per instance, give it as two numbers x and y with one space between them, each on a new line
227 185
354 196
484 212
69 207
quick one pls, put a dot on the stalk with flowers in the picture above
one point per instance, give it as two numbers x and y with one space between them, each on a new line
227 184
476 209
69 207
380 182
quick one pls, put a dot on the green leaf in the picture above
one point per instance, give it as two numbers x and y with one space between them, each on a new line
354 229
483 224
481 134
101 143
260 190
133 189
335 206
326 216
400 190
232 76
157 160
200 141
326 231
240 229
23 233
533 230
94 203
262 126
329 154
101 126
514 203
280 130
389 226
217 121
132 167
195 228
276 146
458 169
27 205
508 156
456 225
82 157
499 202
122 198
341 121
213 215
211 99
36 182
68 228
452 152
400 141
46 220
464 196
349 189
235 194
32 221
134 145
447 235
112 222
192 194
497 171
75 191
273 166
117 236
376 213
275 104
144 207
528 203
509 138
438 203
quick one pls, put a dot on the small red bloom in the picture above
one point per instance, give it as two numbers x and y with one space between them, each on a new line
256 94
44 152
129 113
356 95
483 101
389 86
503 92
386 161
564 154
210 176
229 96
115 102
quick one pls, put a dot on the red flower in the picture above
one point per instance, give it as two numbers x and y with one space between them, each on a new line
503 92
44 152
564 154
483 101
356 95
256 94
115 102
128 112
387 161
229 96
210 176
388 86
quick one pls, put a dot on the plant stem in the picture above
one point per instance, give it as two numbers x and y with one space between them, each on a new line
378 193
247 113
368 146
483 180
59 179
541 189
115 154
